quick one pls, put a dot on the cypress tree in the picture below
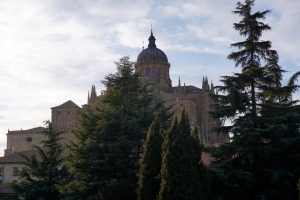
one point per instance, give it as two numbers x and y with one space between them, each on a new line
180 175
149 175
168 165
261 159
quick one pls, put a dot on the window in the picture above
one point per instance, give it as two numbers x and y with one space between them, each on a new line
15 171
159 73
1 171
28 139
1 182
147 72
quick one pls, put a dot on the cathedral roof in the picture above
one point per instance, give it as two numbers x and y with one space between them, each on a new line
188 89
16 157
68 104
152 53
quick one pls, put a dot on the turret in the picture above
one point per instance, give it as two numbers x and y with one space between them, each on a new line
92 98
205 85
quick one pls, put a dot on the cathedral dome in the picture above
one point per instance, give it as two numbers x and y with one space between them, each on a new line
152 53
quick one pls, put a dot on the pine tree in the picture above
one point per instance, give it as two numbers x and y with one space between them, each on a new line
45 171
104 162
149 175
180 175
261 159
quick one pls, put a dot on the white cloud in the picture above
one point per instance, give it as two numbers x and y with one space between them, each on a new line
52 51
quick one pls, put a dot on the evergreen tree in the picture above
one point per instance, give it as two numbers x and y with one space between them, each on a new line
149 175
45 171
83 159
180 175
298 184
260 161
104 161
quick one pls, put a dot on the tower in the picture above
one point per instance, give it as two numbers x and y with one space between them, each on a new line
153 66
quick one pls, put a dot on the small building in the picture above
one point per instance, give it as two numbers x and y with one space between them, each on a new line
11 165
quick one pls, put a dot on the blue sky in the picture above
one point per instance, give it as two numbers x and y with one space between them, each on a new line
54 50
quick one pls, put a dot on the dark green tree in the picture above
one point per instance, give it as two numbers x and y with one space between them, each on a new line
261 159
104 161
44 172
149 174
85 182
298 184
180 171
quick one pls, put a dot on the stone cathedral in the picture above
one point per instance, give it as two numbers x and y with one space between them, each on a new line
153 67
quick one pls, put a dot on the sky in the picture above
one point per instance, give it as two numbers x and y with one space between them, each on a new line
52 51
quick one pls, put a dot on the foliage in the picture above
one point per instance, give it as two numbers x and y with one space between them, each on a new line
262 159
149 174
180 171
298 184
104 161
44 172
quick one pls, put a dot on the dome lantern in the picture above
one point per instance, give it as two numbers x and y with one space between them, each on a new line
152 53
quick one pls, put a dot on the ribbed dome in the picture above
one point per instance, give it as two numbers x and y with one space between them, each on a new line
152 53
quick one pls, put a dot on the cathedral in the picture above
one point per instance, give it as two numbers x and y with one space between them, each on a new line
153 67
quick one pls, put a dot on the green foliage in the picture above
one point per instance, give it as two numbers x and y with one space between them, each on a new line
44 172
104 161
180 171
262 159
298 184
149 174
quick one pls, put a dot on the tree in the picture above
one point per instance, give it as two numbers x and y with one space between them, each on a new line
45 171
261 159
180 175
298 184
104 161
149 174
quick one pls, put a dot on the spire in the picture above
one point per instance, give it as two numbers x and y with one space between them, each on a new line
92 97
205 84
93 92
151 40
179 83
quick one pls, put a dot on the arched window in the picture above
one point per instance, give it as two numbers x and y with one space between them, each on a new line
147 72
160 72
